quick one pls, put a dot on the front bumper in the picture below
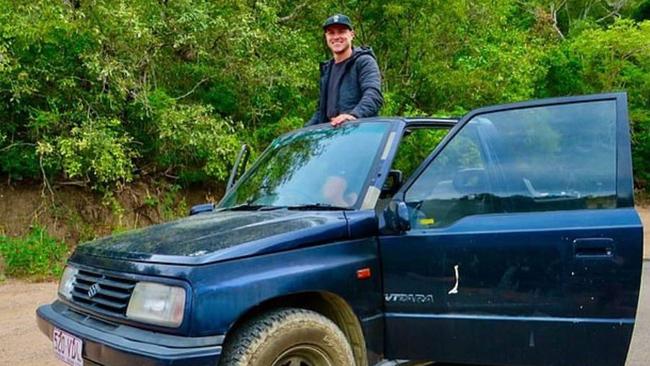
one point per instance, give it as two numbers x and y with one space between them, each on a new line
120 345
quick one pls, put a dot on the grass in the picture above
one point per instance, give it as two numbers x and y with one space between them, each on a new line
35 256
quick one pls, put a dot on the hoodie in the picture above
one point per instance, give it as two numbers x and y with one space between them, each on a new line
359 87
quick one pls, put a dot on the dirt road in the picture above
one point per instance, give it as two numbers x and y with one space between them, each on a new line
644 212
23 344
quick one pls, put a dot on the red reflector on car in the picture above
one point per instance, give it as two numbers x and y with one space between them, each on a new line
363 273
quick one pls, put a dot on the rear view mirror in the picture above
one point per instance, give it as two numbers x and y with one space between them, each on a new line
392 184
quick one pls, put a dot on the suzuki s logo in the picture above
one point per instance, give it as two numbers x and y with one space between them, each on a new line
94 290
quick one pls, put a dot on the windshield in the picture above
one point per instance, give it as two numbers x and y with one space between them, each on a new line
320 167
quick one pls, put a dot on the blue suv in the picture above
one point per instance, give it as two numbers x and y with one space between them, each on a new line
508 237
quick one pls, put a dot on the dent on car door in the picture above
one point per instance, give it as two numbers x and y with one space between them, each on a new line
524 247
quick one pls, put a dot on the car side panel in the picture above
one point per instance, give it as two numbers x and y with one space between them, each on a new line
515 291
223 292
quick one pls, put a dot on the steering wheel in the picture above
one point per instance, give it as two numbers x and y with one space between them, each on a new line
470 181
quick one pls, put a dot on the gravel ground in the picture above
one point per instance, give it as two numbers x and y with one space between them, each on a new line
23 344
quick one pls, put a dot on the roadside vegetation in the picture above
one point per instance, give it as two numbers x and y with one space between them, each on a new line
35 256
106 94
38 230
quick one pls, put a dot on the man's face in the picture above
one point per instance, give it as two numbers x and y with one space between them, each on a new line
338 38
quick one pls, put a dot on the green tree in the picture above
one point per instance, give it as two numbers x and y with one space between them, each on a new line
106 91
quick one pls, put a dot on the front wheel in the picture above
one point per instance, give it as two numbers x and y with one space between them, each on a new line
288 337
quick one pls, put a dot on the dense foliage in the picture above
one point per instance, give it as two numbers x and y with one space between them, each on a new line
36 255
101 92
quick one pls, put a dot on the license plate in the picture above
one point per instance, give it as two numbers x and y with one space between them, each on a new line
67 347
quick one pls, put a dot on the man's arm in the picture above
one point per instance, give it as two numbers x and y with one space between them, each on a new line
370 85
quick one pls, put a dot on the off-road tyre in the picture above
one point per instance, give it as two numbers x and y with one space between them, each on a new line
288 337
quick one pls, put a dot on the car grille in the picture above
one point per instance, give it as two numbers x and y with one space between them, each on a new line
100 291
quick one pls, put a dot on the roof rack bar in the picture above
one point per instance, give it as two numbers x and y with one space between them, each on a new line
431 120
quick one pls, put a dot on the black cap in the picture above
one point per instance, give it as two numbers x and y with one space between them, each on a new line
338 19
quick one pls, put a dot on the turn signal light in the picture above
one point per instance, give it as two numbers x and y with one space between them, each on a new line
364 273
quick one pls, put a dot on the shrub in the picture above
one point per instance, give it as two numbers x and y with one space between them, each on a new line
98 152
2 268
192 141
36 255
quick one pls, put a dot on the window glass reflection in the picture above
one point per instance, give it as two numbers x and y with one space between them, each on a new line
533 159
324 166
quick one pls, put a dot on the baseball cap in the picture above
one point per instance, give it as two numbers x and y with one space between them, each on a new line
338 19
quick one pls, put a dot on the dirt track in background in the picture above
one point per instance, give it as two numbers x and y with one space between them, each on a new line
23 344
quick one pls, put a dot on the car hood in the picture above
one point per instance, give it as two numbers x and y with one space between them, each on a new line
217 236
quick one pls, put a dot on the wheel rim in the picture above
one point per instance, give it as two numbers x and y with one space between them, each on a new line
303 355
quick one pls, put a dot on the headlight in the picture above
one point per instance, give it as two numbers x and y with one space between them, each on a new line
66 285
158 304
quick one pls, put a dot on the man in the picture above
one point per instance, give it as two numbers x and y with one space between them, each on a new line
350 83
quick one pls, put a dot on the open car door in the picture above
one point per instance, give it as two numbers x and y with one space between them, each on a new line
524 247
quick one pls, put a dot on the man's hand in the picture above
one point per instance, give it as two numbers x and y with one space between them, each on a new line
338 120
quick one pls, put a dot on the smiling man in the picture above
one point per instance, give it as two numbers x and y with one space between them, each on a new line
350 83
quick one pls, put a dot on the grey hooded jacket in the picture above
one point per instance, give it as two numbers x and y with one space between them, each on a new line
359 88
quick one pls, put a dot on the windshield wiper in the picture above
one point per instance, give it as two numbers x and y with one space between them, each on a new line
251 207
317 207
304 206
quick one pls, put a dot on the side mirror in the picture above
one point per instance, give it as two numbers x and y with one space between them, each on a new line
392 184
242 160
396 216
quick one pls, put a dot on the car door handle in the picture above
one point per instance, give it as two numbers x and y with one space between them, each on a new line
593 247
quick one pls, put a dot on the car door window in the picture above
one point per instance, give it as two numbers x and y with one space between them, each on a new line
560 157
417 143
454 185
